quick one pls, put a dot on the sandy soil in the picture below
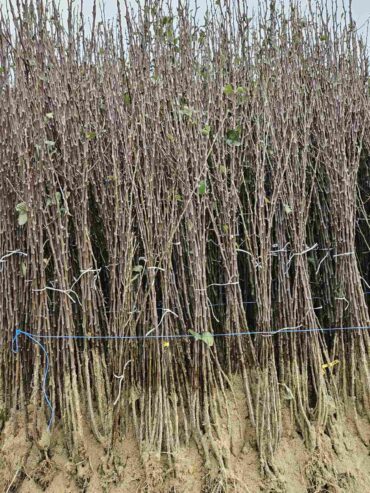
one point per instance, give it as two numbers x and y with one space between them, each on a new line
340 465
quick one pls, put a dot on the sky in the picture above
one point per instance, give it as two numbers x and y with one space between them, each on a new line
360 8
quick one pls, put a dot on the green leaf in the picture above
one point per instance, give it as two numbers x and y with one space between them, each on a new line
196 335
202 187
206 130
223 169
2 70
54 200
22 210
22 218
208 338
90 135
127 98
186 111
233 137
240 90
228 90
225 228
166 20
287 209
49 116
178 197
137 268
23 269
21 207
201 37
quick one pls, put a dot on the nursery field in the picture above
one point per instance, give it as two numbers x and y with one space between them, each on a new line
184 249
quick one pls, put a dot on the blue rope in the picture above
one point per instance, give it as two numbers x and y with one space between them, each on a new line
15 348
34 338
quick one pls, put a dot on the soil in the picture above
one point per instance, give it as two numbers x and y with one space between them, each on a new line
340 464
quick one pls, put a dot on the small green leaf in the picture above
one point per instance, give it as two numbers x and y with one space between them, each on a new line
324 37
90 135
233 137
186 111
166 20
201 37
228 90
223 169
225 228
202 188
206 130
240 90
21 207
178 197
196 335
287 209
22 218
207 338
137 268
23 269
49 116
2 70
54 200
127 98
22 210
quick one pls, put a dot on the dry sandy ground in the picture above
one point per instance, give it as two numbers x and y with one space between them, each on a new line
339 466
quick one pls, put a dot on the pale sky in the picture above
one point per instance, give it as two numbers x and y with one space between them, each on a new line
360 8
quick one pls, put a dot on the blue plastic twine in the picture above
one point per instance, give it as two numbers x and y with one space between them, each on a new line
15 349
